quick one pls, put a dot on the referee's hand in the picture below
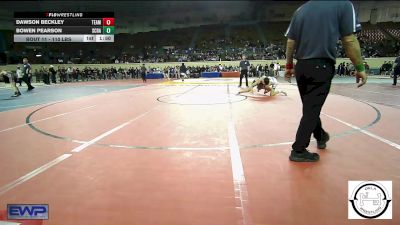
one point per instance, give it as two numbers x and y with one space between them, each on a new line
361 76
288 75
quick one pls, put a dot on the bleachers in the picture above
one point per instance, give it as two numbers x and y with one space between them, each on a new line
372 33
246 34
392 28
394 32
212 42
274 31
208 36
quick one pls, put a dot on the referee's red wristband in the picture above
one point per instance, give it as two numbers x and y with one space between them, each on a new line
289 66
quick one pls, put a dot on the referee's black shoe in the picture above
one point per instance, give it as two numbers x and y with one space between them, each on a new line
31 88
16 94
303 156
321 144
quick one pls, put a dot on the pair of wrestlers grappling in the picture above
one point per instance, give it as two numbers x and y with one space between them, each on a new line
268 84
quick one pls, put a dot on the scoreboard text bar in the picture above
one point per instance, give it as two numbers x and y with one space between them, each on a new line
63 22
64 27
63 38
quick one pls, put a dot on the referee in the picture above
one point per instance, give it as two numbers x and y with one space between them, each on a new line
244 70
313 32
27 74
143 71
182 71
396 70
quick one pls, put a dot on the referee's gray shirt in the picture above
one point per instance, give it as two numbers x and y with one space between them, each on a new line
26 69
317 26
244 64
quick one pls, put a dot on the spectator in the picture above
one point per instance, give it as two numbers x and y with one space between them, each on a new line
396 71
19 75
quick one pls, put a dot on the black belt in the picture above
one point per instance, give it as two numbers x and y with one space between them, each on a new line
323 60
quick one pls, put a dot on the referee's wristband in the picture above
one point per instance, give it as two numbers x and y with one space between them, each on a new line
289 66
360 67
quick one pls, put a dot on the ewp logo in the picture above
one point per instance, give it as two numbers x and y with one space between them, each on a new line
27 211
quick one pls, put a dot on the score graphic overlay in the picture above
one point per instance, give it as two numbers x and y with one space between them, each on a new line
64 27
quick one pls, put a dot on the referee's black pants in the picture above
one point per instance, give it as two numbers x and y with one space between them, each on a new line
53 78
46 78
396 73
144 77
27 79
244 73
314 77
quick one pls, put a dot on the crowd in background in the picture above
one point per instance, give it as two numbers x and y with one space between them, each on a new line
386 68
72 74
220 49
212 44
61 74
210 50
